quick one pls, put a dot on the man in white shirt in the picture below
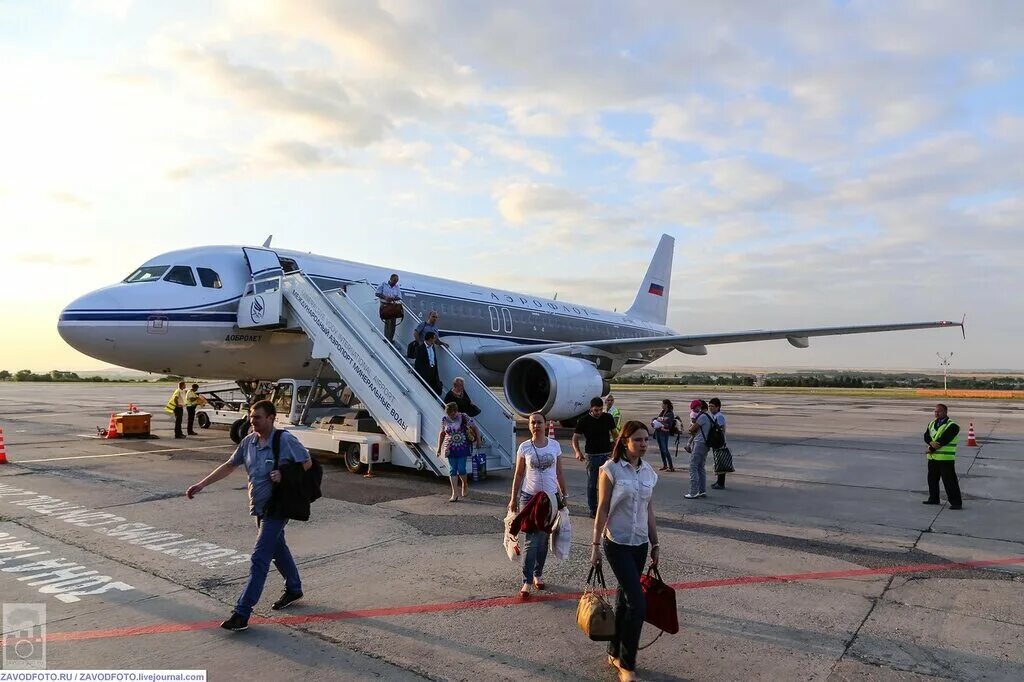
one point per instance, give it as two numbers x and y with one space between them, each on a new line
388 293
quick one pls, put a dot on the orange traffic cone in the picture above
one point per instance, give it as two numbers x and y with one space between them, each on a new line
551 429
971 441
112 427
3 448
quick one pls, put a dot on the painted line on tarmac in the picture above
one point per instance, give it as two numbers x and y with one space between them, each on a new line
158 451
167 628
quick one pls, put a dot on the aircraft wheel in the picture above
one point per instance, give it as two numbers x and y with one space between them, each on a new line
239 429
204 420
351 454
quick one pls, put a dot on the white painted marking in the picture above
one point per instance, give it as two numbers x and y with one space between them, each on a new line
117 454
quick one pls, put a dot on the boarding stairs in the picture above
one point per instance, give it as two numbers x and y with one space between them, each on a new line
345 330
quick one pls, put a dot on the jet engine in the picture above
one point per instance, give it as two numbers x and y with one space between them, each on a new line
558 386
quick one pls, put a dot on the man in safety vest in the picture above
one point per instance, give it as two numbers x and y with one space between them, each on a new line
616 413
941 436
176 406
192 401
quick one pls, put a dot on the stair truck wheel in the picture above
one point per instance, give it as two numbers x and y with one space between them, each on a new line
351 453
204 420
239 429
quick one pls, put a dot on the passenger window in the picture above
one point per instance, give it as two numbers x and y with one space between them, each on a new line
209 278
181 274
149 273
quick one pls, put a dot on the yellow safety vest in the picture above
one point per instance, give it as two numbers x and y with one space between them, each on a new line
947 452
192 398
617 416
173 402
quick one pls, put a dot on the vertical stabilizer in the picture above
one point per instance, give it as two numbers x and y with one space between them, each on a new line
651 302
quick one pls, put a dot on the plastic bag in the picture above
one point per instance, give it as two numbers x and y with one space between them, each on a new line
561 536
511 542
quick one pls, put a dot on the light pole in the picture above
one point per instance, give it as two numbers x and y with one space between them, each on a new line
944 361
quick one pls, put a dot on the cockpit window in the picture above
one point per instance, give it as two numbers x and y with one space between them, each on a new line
209 278
181 274
149 273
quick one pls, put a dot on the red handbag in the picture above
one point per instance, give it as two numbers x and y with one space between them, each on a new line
661 602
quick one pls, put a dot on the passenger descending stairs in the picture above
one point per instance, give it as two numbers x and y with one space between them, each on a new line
346 331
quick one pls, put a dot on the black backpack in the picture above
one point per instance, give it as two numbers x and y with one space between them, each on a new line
716 435
297 509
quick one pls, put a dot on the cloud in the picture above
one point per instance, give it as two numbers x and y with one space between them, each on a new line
520 203
71 199
44 258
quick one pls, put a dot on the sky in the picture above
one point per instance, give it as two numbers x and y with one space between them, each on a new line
819 163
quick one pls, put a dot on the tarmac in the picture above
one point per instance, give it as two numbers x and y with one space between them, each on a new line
817 562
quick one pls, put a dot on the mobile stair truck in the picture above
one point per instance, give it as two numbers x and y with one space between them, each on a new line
348 335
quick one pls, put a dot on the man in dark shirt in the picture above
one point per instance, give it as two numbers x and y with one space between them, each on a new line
941 436
598 428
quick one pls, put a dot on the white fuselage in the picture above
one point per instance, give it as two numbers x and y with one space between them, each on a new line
188 330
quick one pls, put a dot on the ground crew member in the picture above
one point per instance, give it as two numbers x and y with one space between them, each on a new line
616 413
176 406
192 401
941 436
256 454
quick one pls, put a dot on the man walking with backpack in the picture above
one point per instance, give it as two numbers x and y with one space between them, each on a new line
257 454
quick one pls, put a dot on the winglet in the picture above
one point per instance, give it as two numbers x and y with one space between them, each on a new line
266 244
963 329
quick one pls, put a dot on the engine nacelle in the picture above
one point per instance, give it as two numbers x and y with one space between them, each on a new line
560 387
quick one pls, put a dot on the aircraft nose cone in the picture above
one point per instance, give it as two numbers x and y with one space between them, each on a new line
81 325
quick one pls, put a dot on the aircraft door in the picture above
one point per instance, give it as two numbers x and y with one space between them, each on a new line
262 262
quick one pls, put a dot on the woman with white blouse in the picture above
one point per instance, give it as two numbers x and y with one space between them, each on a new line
538 469
628 528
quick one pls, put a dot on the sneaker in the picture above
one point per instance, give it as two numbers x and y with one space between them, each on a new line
236 623
702 494
287 598
956 507
179 435
715 486
929 502
691 497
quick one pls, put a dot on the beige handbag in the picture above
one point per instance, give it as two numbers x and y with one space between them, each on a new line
594 615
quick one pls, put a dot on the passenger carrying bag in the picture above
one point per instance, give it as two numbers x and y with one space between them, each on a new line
594 615
298 487
391 311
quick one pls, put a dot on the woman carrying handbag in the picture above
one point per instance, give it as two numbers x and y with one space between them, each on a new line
627 528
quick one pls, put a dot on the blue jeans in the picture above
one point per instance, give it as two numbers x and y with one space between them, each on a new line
627 563
594 464
270 545
662 438
536 550
698 476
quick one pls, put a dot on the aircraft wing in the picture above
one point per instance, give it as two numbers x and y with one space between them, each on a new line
696 344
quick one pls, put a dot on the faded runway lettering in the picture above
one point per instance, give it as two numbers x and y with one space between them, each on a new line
65 580
154 539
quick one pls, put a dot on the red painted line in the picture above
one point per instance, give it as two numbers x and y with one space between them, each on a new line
168 628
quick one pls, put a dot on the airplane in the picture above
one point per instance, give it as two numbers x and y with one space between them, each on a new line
176 314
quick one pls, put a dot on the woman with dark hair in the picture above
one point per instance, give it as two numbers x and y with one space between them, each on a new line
538 470
628 528
663 425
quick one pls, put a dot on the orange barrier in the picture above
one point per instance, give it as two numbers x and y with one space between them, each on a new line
3 448
551 429
968 393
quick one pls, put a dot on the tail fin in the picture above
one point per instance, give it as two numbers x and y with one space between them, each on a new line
651 302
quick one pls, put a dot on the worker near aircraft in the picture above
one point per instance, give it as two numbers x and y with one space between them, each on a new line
941 438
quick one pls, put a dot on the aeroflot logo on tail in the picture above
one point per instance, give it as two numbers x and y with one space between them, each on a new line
258 309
